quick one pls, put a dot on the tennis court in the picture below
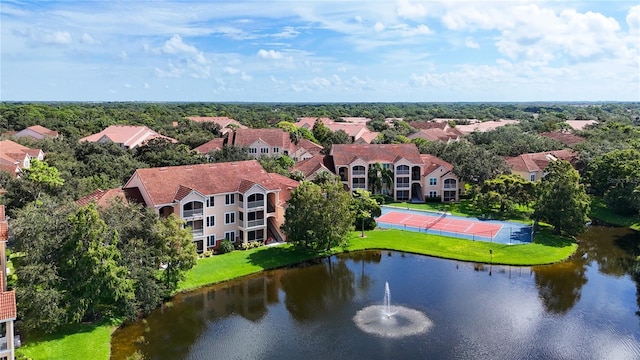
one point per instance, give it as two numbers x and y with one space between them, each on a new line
456 226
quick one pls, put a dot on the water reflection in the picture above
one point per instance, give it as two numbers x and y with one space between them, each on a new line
546 312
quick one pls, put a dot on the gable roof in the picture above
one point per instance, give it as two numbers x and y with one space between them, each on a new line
534 162
214 144
102 197
127 136
38 130
314 164
273 137
344 154
564 137
432 163
163 184
356 128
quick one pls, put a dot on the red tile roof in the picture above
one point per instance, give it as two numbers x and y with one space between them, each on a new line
427 125
43 131
4 226
533 162
286 186
7 304
344 154
128 136
432 163
564 137
102 197
162 184
215 144
314 164
434 134
273 137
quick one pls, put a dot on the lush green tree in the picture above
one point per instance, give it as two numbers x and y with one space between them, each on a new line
562 200
281 164
616 177
366 209
228 154
324 177
160 152
504 192
319 217
511 140
378 177
178 250
97 284
38 179
321 132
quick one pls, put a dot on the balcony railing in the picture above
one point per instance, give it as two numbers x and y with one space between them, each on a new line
257 222
402 172
255 204
192 213
359 186
448 186
358 173
197 232
402 185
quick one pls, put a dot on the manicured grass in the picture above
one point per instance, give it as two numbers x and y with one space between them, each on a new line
79 342
599 211
93 341
546 249
466 208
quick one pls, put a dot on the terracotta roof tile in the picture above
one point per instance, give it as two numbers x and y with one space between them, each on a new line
273 137
208 179
564 137
314 164
128 136
8 305
286 186
533 162
43 131
215 144
102 197
344 154
431 163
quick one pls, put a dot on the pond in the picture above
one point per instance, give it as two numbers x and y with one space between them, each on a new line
582 308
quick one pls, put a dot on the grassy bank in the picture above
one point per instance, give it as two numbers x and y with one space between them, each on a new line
600 212
93 341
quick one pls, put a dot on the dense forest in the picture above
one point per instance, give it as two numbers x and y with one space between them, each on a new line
42 199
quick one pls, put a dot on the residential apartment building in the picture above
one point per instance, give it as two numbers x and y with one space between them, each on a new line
531 165
129 137
356 130
15 157
237 201
414 176
273 142
8 313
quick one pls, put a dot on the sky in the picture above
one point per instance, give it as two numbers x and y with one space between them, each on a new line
320 51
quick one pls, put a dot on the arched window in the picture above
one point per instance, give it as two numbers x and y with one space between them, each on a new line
358 170
255 200
192 208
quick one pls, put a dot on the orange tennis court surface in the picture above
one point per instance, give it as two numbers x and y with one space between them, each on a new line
441 223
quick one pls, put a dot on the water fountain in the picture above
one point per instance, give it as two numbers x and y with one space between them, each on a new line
392 321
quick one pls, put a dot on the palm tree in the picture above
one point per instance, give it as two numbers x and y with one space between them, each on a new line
379 176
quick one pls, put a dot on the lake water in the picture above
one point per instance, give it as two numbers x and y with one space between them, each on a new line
584 308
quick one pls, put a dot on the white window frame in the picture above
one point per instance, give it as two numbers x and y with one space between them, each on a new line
253 150
211 243
276 150
532 177
211 201
229 216
229 199
211 221
230 235
264 150
433 194
433 181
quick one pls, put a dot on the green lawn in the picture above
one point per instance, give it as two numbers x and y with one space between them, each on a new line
77 342
93 341
600 212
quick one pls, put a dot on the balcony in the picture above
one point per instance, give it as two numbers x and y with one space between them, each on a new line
270 207
192 213
358 172
255 204
449 186
257 222
197 232
402 185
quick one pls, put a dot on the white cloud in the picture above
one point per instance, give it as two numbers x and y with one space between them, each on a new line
53 37
633 20
123 55
378 27
87 39
172 72
231 70
270 54
410 11
244 76
470 43
175 45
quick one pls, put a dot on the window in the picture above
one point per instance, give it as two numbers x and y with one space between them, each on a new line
403 170
210 201
230 199
403 195
264 150
433 194
532 177
255 218
240 199
196 227
256 235
386 166
255 200
276 150
253 150
433 181
230 218
358 170
358 183
402 182
450 183
211 221
191 209
211 240
230 235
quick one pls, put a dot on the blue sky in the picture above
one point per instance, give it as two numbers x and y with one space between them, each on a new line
320 51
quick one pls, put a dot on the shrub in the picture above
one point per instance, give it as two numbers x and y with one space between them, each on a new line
226 247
